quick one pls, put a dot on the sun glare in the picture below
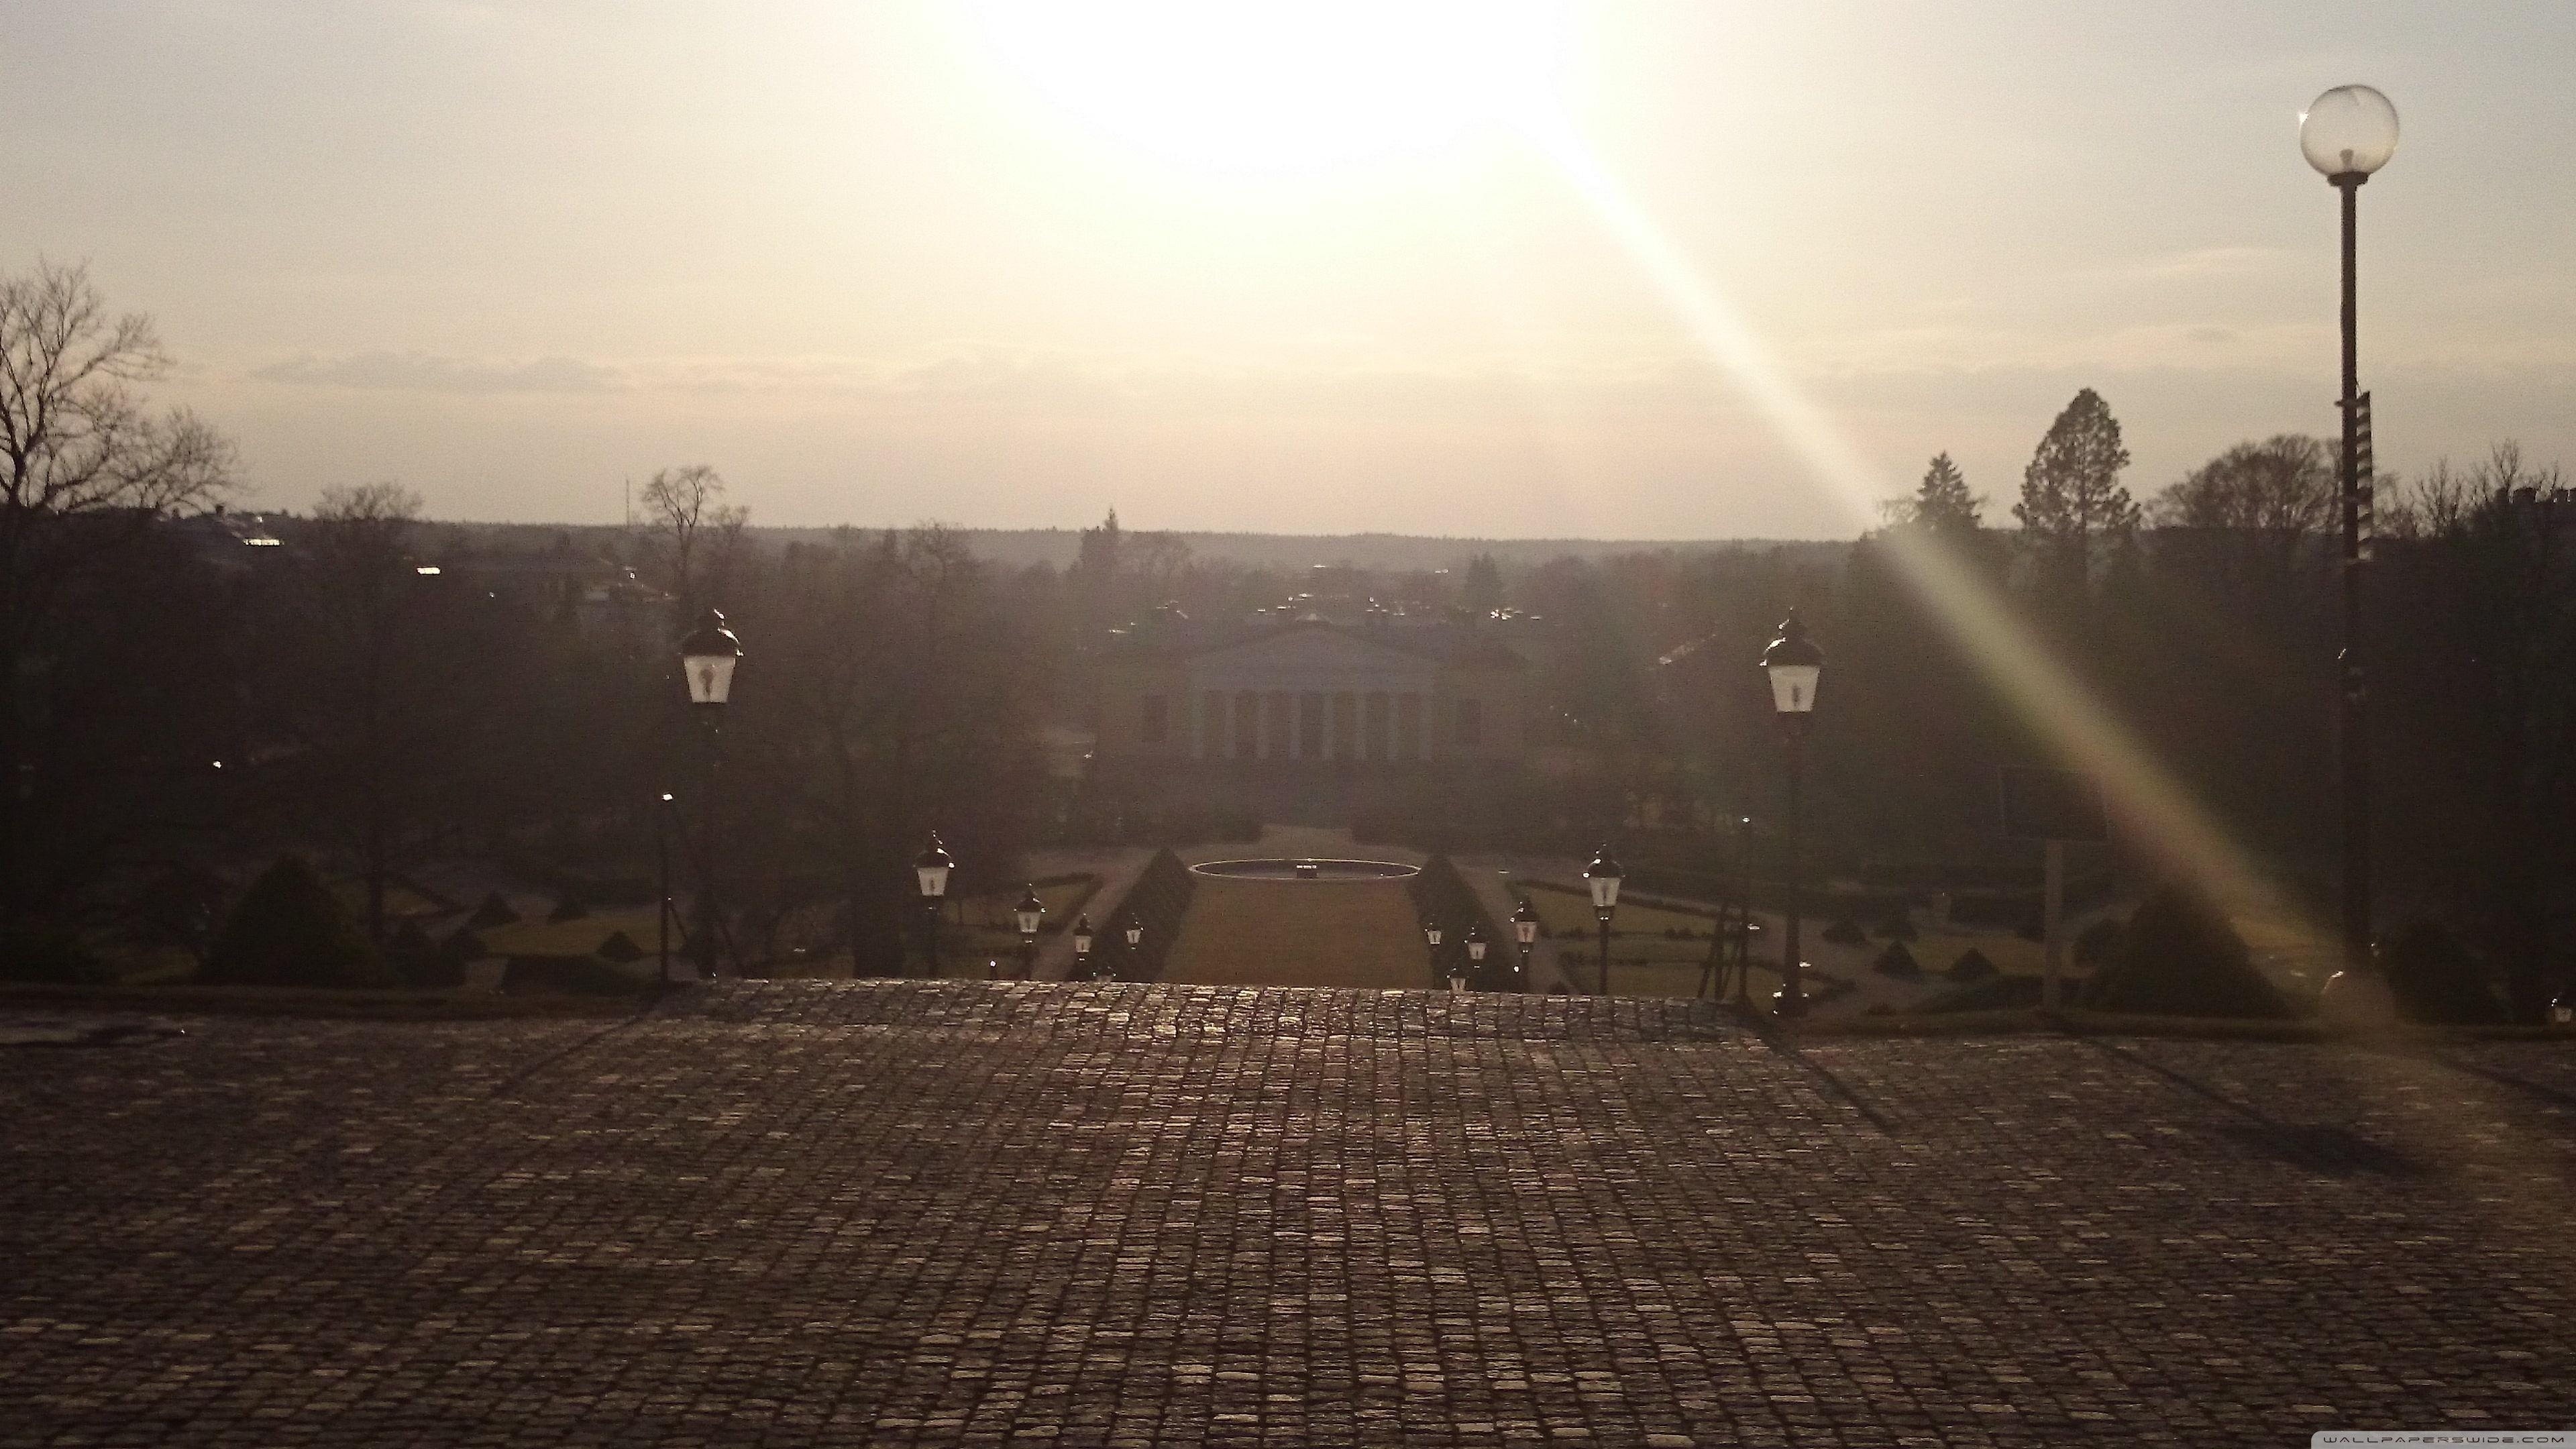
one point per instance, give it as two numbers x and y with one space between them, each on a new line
1262 87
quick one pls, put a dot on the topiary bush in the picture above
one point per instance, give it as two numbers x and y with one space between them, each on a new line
1844 932
1897 925
1971 967
571 908
1897 963
2096 942
2435 979
44 953
2181 956
493 912
290 930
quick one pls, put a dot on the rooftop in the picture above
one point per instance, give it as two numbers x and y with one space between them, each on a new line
946 1213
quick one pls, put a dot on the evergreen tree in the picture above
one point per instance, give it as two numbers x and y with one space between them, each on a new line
2071 492
1484 590
1943 503
290 930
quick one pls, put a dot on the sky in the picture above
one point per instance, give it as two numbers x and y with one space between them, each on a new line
1494 268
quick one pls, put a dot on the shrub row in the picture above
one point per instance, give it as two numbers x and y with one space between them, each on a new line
1441 894
1158 900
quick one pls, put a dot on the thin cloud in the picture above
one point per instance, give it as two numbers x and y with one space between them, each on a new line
424 372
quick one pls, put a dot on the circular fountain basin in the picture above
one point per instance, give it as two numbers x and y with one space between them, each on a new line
1305 868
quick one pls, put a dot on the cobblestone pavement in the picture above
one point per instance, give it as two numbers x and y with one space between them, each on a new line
951 1213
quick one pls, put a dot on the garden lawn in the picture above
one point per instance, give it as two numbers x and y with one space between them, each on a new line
1300 933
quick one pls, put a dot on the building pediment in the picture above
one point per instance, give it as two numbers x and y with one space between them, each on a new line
1317 644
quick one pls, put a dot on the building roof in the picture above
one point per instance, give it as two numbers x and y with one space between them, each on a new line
1169 634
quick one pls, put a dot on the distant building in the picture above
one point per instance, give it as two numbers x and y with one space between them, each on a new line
1389 691
232 542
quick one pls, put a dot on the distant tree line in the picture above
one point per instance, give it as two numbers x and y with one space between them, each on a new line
181 710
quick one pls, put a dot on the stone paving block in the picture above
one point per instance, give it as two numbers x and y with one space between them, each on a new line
1025 1213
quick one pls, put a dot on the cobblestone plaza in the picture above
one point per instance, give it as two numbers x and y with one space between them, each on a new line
940 1213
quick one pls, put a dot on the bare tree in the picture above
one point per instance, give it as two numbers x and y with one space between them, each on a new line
2284 485
907 704
84 469
695 535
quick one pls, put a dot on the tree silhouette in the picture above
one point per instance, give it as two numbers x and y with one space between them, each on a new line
1942 502
85 471
2071 494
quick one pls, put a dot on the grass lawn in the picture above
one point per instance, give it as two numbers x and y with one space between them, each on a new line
575 938
1299 933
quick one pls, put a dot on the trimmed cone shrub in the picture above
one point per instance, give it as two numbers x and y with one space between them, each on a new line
571 908
2435 978
2181 956
621 948
1844 933
1971 967
290 930
1898 963
493 912
1898 925
2096 942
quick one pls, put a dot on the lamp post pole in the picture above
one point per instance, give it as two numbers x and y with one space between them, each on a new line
1031 913
710 742
1744 912
930 871
1603 876
708 659
1135 934
2346 134
1793 984
1525 934
662 884
1794 665
1431 934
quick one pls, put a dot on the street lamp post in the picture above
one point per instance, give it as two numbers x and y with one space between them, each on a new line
2346 134
930 871
1794 664
1461 975
1524 932
708 658
1082 947
662 882
1604 875
1431 937
1135 934
1031 913
1744 912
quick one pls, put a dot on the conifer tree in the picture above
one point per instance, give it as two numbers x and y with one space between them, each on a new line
1943 503
2071 492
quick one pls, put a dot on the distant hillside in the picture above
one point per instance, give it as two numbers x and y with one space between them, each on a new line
1391 552
1020 547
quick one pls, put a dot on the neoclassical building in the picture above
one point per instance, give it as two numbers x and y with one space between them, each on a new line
1390 691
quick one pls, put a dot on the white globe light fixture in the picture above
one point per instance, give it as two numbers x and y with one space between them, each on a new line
2348 131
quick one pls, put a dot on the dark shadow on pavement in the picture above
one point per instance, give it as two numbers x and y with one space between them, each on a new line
2318 1147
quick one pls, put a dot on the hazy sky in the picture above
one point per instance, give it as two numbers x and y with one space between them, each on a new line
1310 267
